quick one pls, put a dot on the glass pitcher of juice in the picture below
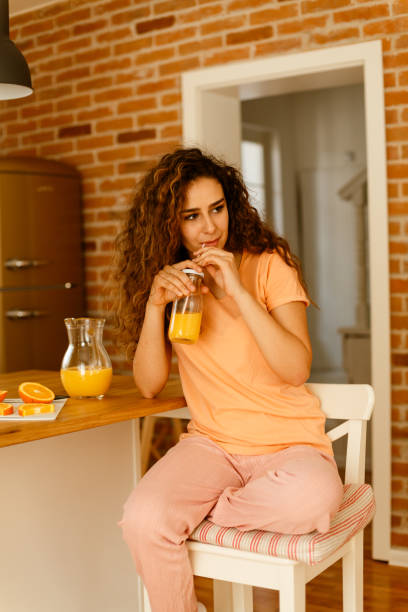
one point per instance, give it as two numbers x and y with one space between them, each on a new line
185 318
86 370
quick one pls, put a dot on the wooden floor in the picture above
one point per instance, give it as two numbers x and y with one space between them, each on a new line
385 589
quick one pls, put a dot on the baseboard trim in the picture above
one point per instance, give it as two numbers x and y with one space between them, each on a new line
399 556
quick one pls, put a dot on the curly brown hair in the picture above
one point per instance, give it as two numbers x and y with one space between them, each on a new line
151 236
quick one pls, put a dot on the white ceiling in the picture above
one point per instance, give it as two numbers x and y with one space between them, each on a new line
21 6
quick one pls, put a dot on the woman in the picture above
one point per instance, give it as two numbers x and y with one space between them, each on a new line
255 455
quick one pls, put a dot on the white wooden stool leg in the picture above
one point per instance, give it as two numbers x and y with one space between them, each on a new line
242 598
146 602
353 575
222 596
292 592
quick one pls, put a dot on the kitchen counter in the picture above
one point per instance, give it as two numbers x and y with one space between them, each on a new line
63 486
121 403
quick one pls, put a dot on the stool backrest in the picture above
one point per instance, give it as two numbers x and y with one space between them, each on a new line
354 405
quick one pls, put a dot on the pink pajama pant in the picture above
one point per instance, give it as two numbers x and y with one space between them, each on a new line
295 490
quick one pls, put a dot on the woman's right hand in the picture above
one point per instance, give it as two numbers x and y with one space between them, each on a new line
172 283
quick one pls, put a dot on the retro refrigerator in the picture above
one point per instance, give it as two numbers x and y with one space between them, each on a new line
41 269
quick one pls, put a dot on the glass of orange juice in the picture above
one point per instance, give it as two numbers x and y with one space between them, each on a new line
86 370
186 312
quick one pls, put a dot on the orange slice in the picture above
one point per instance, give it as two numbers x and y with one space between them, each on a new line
34 392
6 409
25 410
2 395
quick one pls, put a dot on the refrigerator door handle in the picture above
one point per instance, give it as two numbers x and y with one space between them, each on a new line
21 264
18 313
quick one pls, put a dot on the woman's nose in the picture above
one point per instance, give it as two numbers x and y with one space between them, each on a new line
209 224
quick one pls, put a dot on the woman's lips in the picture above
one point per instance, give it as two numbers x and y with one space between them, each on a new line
210 243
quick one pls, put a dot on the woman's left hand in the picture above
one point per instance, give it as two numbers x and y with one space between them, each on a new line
222 268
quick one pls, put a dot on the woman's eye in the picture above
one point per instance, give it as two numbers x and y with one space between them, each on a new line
219 208
190 217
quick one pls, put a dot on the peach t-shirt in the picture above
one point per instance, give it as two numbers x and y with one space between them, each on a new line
234 396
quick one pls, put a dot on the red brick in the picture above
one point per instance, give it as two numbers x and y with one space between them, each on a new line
94 142
159 148
200 14
158 117
399 6
114 94
90 26
100 202
56 149
74 131
73 74
73 17
114 35
179 66
400 359
171 99
157 55
111 125
302 25
37 54
96 83
200 45
136 136
396 60
93 55
251 35
155 24
229 23
111 6
399 285
136 105
277 46
18 128
38 137
167 38
56 64
223 57
140 165
389 79
398 208
172 131
95 113
401 42
155 86
393 152
117 184
52 93
244 5
397 133
74 45
169 6
96 171
79 159
387 26
112 65
274 14
76 102
132 46
398 170
129 16
311 6
35 110
361 13
335 35
117 153
36 27
56 36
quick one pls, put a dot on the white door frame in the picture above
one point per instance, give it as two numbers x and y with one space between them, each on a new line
334 66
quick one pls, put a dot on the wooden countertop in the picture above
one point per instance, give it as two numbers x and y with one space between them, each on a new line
122 402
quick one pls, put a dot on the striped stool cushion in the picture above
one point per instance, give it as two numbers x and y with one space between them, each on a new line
355 512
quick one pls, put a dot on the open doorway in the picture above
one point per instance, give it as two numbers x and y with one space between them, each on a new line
212 99
298 152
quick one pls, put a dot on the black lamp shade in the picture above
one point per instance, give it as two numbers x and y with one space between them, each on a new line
15 79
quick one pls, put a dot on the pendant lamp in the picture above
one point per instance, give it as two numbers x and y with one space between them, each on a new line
15 79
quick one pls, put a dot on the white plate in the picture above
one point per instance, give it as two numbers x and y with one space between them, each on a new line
45 416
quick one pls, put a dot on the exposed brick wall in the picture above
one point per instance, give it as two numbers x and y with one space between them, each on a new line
107 100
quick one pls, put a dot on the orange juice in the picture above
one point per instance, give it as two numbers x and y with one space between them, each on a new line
185 327
86 382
